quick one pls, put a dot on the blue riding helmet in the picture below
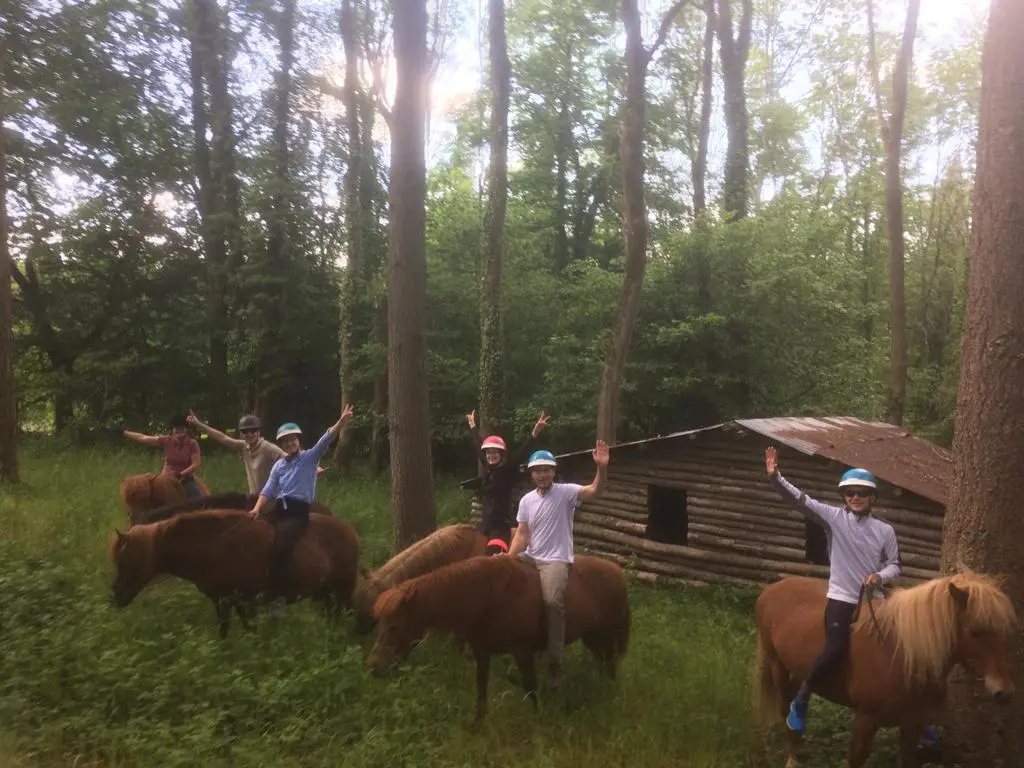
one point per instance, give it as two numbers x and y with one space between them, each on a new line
289 428
541 459
859 477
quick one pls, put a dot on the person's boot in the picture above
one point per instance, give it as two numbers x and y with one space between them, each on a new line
796 720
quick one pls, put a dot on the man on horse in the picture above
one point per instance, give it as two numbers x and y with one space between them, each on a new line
864 555
292 485
543 539
498 475
258 455
182 456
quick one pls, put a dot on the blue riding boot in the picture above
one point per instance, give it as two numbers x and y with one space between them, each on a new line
930 738
795 721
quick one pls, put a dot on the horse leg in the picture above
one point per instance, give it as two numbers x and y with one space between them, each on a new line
223 608
864 729
910 737
528 671
483 671
787 689
244 615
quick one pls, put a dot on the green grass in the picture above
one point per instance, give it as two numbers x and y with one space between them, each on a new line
82 683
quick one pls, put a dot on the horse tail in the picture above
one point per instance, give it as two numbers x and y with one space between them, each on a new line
770 701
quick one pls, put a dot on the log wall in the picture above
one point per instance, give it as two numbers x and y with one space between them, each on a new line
740 531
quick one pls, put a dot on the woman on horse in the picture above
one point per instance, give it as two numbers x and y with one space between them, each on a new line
498 475
864 555
291 489
182 456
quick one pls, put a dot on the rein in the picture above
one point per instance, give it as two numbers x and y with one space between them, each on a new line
865 593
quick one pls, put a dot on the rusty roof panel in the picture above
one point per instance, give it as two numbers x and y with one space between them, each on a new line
890 452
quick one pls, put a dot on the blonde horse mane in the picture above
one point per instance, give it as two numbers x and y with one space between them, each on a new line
925 619
445 545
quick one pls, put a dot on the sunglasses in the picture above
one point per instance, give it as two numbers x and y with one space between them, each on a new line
858 493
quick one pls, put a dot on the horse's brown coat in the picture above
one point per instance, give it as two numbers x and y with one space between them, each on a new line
151 490
225 554
899 656
444 546
495 604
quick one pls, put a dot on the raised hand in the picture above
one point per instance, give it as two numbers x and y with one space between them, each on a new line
192 420
601 456
471 419
771 460
346 413
542 421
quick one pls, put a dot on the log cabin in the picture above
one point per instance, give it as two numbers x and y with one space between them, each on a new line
696 507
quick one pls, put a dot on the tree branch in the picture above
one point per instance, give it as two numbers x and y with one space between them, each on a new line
666 23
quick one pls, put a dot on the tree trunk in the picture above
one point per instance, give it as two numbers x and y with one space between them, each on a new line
984 525
8 402
492 328
353 287
700 161
412 481
892 138
634 211
733 53
563 148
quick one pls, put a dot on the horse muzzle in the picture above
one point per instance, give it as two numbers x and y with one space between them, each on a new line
1000 689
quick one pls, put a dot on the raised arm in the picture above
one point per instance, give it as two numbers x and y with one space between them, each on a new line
215 434
523 450
474 431
810 508
332 432
138 437
600 476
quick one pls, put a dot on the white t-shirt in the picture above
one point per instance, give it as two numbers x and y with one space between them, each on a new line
549 518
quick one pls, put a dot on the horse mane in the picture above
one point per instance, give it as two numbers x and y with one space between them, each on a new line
924 620
233 500
205 522
440 548
466 584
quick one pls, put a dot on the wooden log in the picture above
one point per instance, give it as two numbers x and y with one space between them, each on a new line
684 554
629 560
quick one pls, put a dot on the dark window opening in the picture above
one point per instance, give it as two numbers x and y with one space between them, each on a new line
667 519
815 543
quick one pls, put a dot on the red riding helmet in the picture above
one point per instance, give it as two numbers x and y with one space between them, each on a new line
493 441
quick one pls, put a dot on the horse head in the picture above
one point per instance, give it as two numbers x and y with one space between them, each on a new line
397 630
984 619
134 566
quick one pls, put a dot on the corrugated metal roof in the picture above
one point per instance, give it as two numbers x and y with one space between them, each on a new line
890 452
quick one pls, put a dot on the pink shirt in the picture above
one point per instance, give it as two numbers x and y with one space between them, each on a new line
178 456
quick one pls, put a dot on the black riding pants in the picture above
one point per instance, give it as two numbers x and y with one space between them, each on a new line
838 616
290 518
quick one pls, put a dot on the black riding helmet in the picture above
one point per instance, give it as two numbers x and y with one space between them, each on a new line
249 422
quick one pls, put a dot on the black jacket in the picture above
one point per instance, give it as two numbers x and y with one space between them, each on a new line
497 485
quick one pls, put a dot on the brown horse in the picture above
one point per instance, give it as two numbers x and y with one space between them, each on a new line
495 604
444 546
230 500
225 554
902 649
152 490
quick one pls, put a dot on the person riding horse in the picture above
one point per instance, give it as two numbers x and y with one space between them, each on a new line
543 539
258 455
182 456
864 555
291 488
498 475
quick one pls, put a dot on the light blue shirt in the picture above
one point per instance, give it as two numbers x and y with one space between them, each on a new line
858 545
295 476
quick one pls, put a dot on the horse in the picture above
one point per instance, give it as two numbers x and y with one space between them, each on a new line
902 649
230 500
446 545
225 554
151 490
495 605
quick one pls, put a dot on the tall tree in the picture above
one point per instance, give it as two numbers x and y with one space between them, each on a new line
700 160
733 49
634 208
892 138
353 286
412 480
8 403
492 326
984 525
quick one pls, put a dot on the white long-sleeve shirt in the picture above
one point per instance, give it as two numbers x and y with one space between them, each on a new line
858 545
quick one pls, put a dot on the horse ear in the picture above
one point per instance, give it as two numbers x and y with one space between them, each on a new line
959 595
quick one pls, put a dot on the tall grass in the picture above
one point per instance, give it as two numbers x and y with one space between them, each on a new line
82 683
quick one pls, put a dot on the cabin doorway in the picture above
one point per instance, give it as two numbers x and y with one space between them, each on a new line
667 518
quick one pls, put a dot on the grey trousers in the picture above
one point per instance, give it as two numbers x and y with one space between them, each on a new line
554 577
